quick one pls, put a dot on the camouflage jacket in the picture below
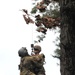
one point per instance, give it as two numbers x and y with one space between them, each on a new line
33 64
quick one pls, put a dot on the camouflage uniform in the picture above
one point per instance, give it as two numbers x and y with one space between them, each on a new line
38 65
27 72
26 67
32 65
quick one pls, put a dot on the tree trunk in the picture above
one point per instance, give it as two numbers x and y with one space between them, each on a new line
67 37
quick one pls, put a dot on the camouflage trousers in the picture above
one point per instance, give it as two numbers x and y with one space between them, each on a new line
40 74
27 72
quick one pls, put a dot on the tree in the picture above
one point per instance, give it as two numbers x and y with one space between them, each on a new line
67 37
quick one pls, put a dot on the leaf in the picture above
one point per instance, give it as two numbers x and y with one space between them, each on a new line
42 29
25 11
28 20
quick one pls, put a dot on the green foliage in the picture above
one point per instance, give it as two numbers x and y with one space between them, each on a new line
57 51
55 13
48 16
34 10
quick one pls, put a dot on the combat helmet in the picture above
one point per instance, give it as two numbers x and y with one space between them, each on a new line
23 52
37 47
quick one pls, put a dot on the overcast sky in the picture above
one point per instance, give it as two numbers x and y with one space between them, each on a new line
14 34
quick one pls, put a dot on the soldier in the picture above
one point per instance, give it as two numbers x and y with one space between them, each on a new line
39 69
37 50
25 66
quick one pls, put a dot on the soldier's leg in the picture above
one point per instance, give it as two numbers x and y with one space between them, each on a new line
41 74
31 73
41 71
27 72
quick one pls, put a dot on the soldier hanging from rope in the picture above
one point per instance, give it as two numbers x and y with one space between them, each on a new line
32 65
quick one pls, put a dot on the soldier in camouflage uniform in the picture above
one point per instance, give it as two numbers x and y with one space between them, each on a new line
33 65
25 66
39 69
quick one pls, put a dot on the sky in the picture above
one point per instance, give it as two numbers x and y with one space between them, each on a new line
14 34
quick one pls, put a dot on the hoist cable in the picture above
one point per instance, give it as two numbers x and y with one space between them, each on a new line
32 35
